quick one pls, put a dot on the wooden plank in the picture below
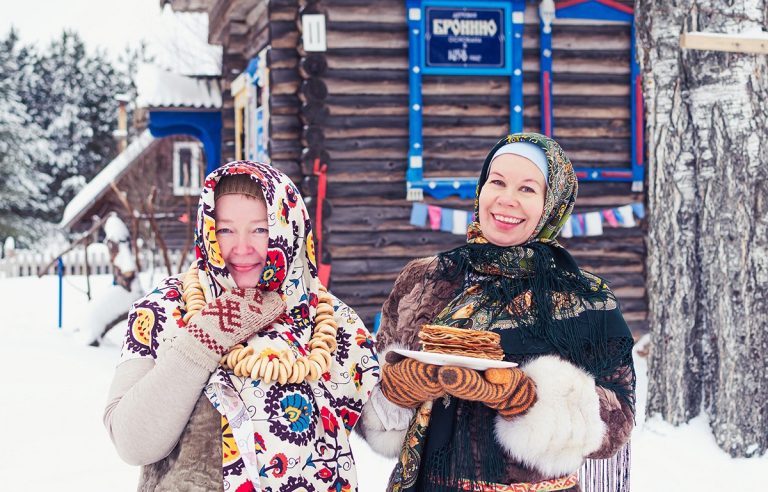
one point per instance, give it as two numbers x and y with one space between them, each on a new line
732 43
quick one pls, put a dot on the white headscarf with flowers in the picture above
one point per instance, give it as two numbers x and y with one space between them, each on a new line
284 437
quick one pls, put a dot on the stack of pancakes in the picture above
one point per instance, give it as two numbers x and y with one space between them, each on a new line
458 341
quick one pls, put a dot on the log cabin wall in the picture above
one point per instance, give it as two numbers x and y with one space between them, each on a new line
228 27
363 130
285 129
349 107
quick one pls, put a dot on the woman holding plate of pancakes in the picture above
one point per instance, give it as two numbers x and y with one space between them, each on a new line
563 393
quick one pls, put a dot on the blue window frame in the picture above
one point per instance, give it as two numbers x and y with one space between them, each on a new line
505 43
609 10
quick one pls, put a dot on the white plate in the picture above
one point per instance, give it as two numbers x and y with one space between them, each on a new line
454 360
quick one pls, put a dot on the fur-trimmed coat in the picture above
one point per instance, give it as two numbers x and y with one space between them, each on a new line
572 419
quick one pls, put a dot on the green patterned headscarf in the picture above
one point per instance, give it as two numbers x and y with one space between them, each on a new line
540 268
539 302
561 190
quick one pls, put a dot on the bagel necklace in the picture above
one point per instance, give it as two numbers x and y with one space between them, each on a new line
283 367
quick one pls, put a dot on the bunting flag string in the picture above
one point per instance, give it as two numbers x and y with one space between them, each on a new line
585 224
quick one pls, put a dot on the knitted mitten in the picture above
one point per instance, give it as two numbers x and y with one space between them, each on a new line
509 391
409 383
233 317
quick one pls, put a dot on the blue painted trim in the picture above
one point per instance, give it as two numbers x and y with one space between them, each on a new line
253 67
415 149
637 115
516 102
545 73
203 125
603 174
463 187
594 10
444 187
599 11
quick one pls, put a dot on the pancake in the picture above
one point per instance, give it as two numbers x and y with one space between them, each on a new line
456 341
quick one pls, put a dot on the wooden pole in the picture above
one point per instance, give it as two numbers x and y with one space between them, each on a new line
87 270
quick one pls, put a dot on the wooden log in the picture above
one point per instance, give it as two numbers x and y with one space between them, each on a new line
312 136
282 75
363 27
289 88
339 11
373 62
358 52
314 112
277 56
308 156
313 65
313 89
335 40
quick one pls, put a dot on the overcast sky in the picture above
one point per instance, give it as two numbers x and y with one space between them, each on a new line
110 24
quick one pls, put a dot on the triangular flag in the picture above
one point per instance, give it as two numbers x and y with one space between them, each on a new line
627 218
460 222
578 229
446 220
419 214
594 224
434 214
639 210
610 217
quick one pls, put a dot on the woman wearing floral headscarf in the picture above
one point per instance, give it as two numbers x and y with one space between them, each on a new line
245 374
571 397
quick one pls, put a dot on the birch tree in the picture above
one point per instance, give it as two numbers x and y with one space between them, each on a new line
707 267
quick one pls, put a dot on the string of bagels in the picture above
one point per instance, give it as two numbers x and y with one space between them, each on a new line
276 366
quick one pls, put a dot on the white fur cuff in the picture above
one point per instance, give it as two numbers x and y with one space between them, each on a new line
385 424
564 424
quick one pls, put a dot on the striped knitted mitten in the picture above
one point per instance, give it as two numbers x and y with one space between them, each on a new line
509 391
233 317
409 383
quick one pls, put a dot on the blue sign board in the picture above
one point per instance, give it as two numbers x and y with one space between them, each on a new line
465 37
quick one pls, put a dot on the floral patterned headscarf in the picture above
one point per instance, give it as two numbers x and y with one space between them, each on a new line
290 260
274 435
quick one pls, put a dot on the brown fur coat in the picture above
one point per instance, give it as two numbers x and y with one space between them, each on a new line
571 421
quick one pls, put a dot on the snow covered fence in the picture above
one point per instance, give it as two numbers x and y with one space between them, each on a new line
25 263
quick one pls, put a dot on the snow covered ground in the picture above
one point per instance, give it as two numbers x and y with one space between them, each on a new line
53 439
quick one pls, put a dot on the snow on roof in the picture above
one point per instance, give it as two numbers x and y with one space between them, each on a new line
158 88
96 187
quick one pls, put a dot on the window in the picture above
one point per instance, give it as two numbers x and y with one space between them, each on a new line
187 168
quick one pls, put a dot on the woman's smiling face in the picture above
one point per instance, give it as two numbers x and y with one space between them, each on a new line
512 200
243 234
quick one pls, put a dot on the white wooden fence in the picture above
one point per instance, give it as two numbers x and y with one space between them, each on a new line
26 263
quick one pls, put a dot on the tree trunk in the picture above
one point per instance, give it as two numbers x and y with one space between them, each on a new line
707 239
